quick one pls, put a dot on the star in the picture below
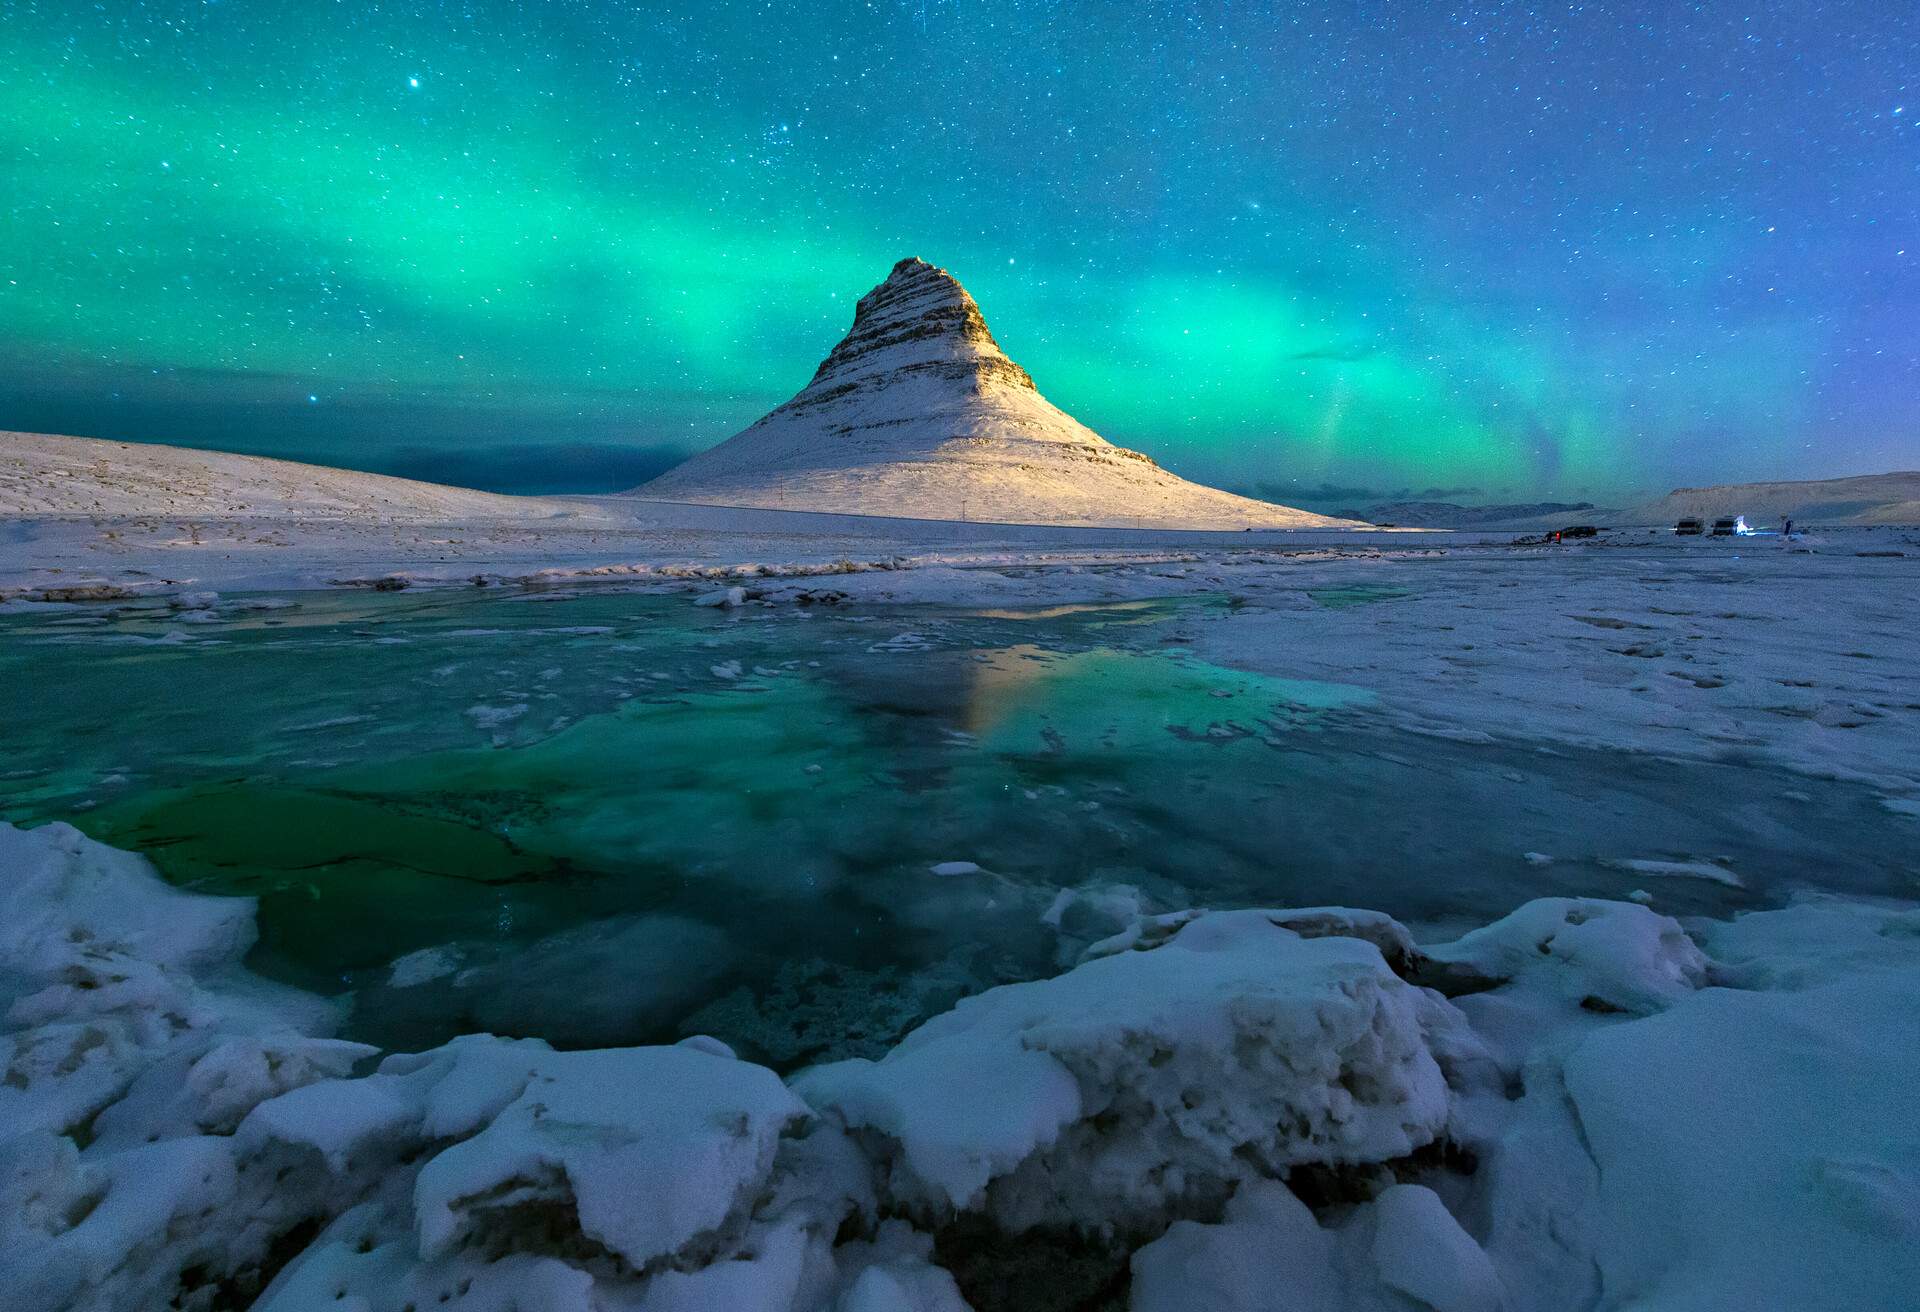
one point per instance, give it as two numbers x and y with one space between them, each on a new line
1506 219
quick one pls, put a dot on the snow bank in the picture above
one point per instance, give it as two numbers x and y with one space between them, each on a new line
130 1027
1234 1110
1610 956
636 1168
108 975
1748 1146
1148 1082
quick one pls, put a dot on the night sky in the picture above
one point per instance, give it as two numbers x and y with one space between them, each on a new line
1321 252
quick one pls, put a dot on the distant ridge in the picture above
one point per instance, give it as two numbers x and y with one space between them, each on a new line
1863 499
1447 514
918 413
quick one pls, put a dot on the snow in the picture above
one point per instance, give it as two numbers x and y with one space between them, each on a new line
1619 955
1862 500
100 522
42 474
1744 1147
1268 1252
642 1188
1419 1250
1259 1108
1401 1250
1144 1079
894 1272
1726 1175
107 974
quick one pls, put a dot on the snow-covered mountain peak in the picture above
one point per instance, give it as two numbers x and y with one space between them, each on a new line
918 413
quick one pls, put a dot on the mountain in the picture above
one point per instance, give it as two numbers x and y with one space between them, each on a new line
1447 514
1860 500
1864 499
918 413
41 474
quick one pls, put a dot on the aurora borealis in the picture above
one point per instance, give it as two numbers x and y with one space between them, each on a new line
1494 250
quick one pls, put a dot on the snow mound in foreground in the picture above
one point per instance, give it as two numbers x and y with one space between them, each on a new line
1147 1082
1241 1111
123 997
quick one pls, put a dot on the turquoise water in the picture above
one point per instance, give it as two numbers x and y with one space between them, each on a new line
605 817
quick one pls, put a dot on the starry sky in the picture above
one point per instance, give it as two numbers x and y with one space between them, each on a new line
1324 253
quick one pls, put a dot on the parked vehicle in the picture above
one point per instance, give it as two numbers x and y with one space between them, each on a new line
1726 526
1580 531
1690 528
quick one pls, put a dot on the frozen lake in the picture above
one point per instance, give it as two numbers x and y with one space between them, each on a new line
608 817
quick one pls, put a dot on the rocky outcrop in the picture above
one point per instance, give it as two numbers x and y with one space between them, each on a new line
918 413
920 320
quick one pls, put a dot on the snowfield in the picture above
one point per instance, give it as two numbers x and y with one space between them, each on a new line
1584 1105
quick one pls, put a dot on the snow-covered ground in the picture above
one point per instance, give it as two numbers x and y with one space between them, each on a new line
611 537
126 518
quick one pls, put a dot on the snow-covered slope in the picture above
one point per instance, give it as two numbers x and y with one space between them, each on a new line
918 413
41 474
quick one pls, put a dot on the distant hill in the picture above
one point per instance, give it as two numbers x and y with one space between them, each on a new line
1865 499
918 413
1445 514
1861 500
43 474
